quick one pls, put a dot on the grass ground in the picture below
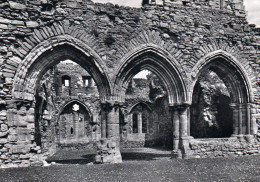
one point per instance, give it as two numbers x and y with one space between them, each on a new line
138 166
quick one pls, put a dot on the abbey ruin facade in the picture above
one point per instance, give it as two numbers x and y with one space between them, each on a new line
46 106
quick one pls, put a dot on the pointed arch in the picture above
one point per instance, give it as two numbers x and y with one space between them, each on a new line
139 103
160 62
230 70
52 51
78 102
237 81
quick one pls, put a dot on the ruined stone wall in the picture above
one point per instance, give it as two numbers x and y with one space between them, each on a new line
184 32
223 147
256 44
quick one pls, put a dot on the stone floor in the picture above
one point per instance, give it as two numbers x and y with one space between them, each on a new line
133 154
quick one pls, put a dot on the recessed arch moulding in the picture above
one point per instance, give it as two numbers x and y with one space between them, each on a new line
41 59
160 62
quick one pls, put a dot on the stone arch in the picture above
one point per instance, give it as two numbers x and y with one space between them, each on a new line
74 125
237 81
50 52
160 62
137 103
76 101
227 63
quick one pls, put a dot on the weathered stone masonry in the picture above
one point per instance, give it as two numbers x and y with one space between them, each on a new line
176 41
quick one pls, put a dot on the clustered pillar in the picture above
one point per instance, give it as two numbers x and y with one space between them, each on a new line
108 147
242 120
180 131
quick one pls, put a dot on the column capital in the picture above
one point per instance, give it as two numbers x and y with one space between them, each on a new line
239 105
180 106
233 106
112 103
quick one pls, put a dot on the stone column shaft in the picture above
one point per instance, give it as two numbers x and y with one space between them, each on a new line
181 117
103 123
108 150
240 119
176 128
183 122
113 122
235 118
248 119
139 122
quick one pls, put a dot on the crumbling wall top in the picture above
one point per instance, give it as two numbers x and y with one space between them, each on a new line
236 5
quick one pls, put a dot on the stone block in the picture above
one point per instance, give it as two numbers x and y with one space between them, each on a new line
108 159
30 126
24 164
10 119
20 123
71 4
17 22
30 118
22 137
22 131
4 127
32 24
15 5
12 138
4 134
3 113
98 159
37 163
3 140
20 149
5 20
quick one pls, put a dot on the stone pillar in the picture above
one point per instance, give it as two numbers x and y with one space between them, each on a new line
248 129
108 148
112 121
240 119
180 118
184 139
103 121
176 132
188 131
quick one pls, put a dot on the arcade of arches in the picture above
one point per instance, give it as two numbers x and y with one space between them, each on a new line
70 78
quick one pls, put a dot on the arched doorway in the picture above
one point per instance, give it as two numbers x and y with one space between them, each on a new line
168 93
47 95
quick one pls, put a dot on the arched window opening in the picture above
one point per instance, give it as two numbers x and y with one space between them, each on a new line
211 115
71 131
